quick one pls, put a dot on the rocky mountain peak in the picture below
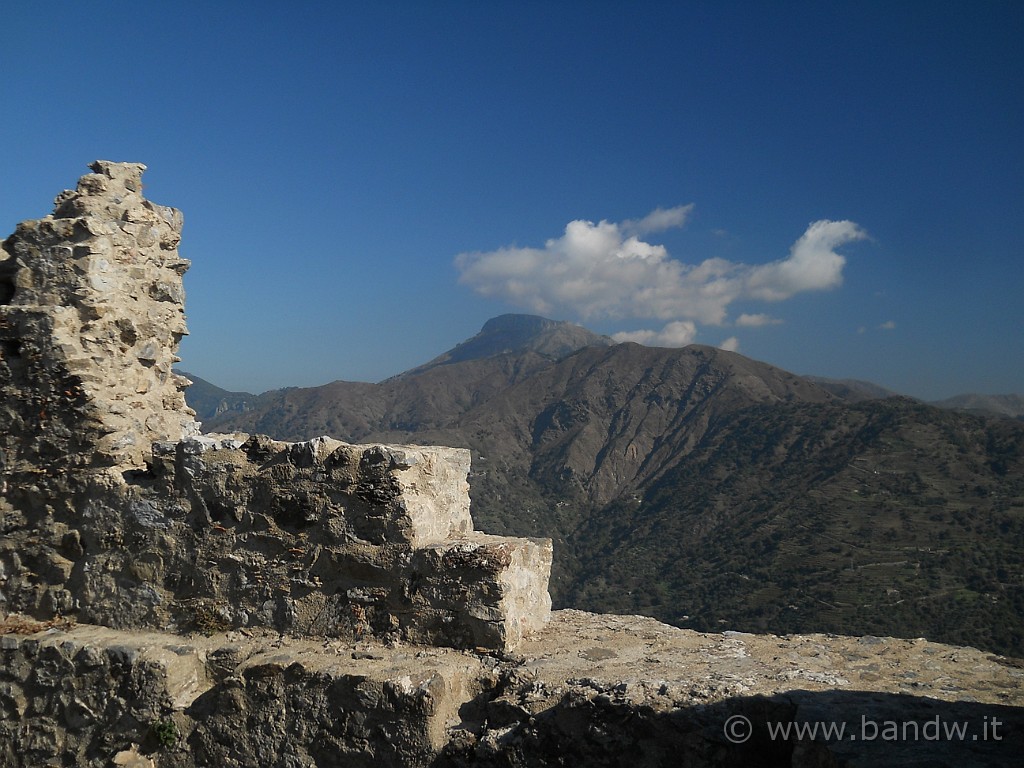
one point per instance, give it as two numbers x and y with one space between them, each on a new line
523 326
517 333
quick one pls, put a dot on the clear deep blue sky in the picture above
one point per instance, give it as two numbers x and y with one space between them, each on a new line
364 184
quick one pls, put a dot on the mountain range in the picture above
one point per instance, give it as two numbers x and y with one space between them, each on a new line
702 487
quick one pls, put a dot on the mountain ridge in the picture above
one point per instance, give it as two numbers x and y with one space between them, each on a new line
659 472
515 334
530 394
1002 405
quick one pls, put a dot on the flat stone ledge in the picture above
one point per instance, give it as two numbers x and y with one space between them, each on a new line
702 667
600 689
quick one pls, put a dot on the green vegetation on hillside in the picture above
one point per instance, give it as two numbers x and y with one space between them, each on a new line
886 517
710 490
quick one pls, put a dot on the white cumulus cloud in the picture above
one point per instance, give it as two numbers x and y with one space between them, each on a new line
813 264
606 270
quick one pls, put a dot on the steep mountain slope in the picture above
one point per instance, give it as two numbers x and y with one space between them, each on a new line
604 421
700 486
853 390
595 424
887 517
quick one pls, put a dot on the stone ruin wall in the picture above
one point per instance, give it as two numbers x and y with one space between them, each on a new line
116 511
92 313
182 600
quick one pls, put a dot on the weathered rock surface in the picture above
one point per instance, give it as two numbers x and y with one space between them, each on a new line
589 690
93 310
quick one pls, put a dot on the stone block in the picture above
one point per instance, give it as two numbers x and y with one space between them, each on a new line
484 591
421 493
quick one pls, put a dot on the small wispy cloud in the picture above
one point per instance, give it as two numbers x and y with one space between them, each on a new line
888 325
658 220
606 270
678 333
732 344
756 321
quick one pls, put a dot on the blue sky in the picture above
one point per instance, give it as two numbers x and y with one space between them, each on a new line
364 184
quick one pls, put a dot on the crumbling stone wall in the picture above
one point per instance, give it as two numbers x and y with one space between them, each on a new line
93 310
325 538
116 511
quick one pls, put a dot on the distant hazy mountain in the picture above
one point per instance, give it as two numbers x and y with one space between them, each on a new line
210 401
700 486
853 390
1002 405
